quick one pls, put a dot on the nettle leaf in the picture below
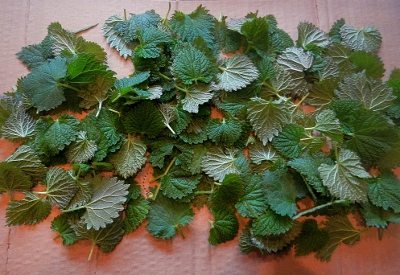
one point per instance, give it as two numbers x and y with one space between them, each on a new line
366 39
334 32
196 96
109 194
346 178
19 125
229 192
151 42
280 192
13 178
237 72
177 185
83 194
327 123
252 202
27 160
144 118
288 141
368 62
271 223
54 135
34 55
130 157
41 87
340 54
259 153
82 149
135 213
285 81
218 164
256 32
166 216
63 39
114 38
267 117
321 94
307 165
226 131
60 187
191 65
224 227
379 217
30 210
295 59
373 93
370 134
340 230
311 239
188 27
308 34
106 238
62 225
385 191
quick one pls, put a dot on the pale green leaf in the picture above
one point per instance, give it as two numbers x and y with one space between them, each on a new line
114 38
365 39
346 179
220 163
196 96
310 34
259 153
13 178
327 123
82 149
60 187
385 191
295 59
19 125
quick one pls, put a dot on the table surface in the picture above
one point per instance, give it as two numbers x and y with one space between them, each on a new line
32 250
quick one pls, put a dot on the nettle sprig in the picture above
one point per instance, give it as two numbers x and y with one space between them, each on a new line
217 108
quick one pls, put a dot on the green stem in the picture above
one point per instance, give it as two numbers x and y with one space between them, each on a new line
68 86
314 197
271 88
180 231
86 28
73 209
317 208
180 89
164 76
251 210
165 19
125 15
160 176
91 251
203 192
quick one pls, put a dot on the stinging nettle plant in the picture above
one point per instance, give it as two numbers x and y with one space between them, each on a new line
216 108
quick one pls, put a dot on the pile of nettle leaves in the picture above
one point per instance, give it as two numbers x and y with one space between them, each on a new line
215 109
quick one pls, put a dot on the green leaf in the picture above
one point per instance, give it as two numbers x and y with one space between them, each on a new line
109 194
145 119
26 159
130 157
311 239
135 213
30 210
256 32
114 38
237 72
86 68
106 238
83 195
226 131
334 32
34 55
151 42
295 59
341 54
54 135
13 178
60 187
370 134
286 81
166 216
252 202
218 164
307 165
340 230
229 192
346 178
19 125
63 39
260 153
385 191
280 192
288 141
188 27
373 93
41 87
62 225
379 217
327 123
177 184
224 227
82 149
271 223
195 96
191 65
368 62
267 117
308 34
366 39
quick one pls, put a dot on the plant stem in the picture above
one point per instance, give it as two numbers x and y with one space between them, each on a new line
203 192
91 251
160 176
317 208
73 209
68 86
180 231
86 28
164 76
181 89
